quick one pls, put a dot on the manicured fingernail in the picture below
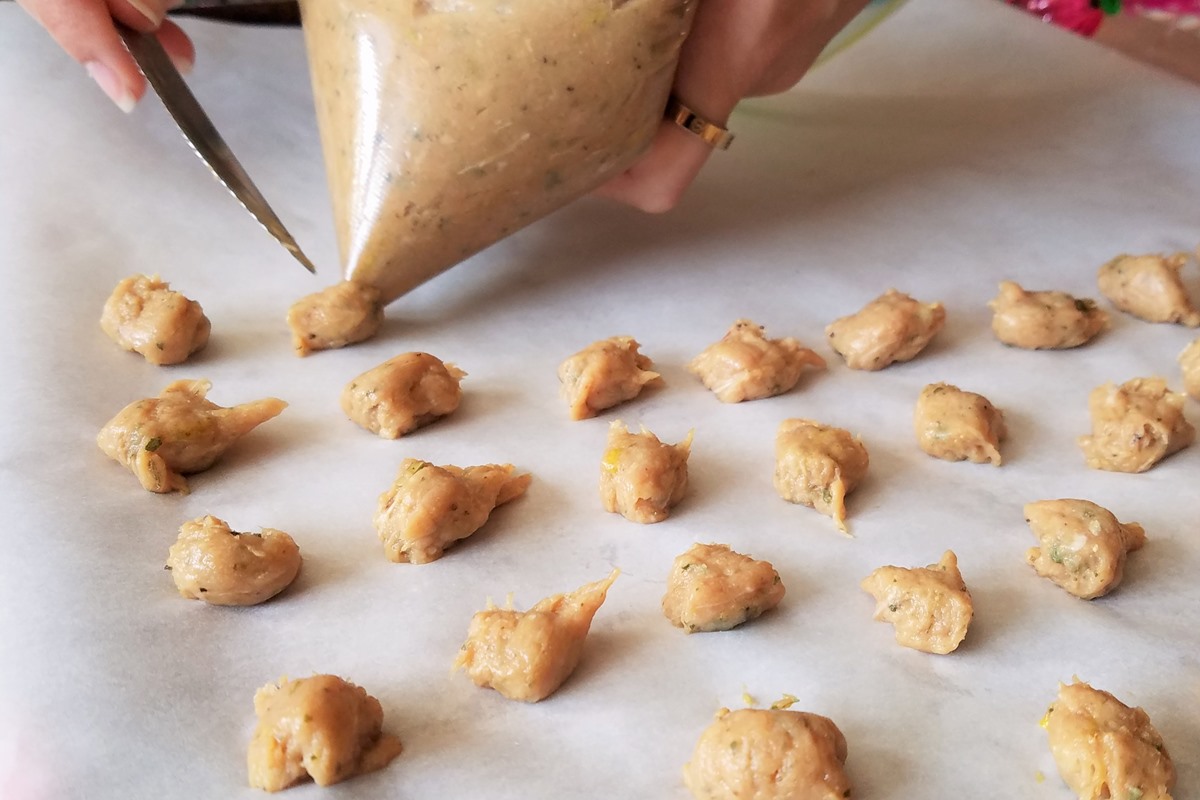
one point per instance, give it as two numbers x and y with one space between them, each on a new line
184 65
150 10
111 85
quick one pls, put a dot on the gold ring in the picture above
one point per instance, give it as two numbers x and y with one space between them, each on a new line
713 135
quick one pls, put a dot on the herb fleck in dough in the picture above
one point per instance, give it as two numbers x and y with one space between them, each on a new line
713 588
1045 320
642 478
929 607
1105 749
145 316
1135 425
1149 288
161 439
343 314
429 508
527 655
321 727
604 374
746 365
954 425
893 327
1081 546
818 465
402 394
769 754
212 563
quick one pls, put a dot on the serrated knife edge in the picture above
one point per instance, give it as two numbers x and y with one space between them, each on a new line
203 137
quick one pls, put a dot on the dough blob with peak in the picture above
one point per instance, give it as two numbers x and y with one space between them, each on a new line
527 655
161 439
818 465
1106 750
429 508
323 727
746 365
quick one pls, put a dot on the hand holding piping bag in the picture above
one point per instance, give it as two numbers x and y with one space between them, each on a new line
736 49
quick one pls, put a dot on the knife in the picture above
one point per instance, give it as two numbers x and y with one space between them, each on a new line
202 135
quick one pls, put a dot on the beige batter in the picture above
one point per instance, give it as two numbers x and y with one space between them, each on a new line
1150 288
958 426
213 563
642 478
161 439
1081 546
528 655
429 508
929 607
343 314
144 315
818 465
402 394
713 588
1106 750
746 365
893 327
321 727
769 754
1045 320
604 374
447 125
1135 425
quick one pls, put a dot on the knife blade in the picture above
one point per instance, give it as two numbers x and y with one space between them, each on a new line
203 137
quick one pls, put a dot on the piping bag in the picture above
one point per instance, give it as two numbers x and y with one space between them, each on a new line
447 125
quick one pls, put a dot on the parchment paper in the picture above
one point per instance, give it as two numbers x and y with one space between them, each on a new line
961 144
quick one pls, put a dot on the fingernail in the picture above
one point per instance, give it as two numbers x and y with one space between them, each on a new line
149 10
111 85
184 65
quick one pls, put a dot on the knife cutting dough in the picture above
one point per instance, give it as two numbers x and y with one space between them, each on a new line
435 149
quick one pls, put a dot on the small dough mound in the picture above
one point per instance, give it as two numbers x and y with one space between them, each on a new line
929 607
746 365
320 727
712 588
1082 547
641 478
769 754
340 315
212 563
1189 362
1149 288
527 655
1044 320
892 327
604 374
429 508
161 439
1105 749
402 394
143 315
818 465
958 426
1135 425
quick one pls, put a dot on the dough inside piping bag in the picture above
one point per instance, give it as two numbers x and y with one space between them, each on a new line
449 124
